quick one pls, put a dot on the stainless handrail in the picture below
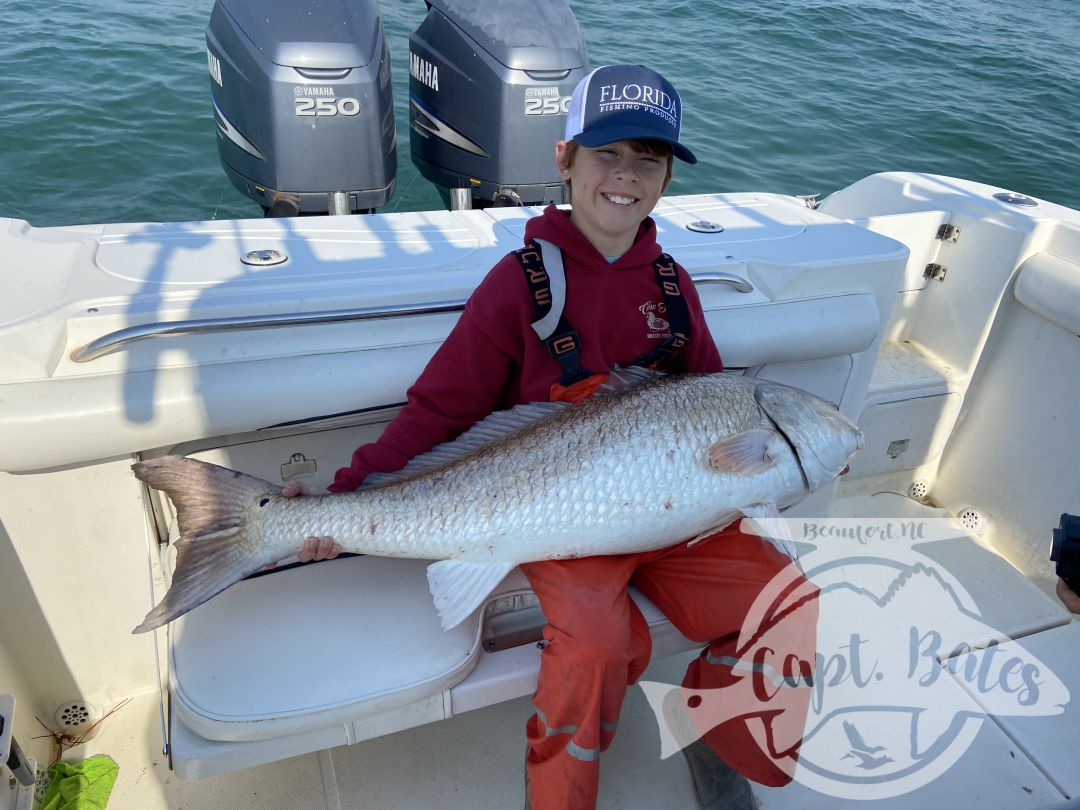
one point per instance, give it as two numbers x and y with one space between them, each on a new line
106 344
730 279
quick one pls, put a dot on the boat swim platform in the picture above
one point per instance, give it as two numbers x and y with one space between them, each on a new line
474 759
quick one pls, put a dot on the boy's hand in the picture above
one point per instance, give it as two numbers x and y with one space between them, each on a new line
1068 596
314 548
318 548
294 488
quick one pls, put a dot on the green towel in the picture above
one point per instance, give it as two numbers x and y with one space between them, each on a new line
82 785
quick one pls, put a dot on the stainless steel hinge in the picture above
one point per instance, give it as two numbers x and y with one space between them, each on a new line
948 233
809 200
937 271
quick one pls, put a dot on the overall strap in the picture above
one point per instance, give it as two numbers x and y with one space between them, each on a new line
678 314
542 264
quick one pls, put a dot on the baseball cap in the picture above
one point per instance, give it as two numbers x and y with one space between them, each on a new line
622 102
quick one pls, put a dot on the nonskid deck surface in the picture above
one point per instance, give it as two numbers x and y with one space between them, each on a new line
475 760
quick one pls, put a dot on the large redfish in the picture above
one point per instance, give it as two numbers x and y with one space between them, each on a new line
651 461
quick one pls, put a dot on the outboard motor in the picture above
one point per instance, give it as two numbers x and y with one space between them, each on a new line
489 87
303 102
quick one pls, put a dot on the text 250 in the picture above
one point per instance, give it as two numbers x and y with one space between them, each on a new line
327 106
552 105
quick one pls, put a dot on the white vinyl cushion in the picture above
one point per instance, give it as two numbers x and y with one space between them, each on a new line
313 646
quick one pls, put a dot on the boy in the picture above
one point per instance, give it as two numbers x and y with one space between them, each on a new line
624 302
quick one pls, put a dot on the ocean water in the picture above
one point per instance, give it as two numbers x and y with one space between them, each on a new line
106 111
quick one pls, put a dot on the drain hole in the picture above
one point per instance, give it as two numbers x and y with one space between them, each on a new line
971 520
919 489
74 717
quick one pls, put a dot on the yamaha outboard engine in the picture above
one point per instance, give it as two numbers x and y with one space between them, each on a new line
303 102
489 86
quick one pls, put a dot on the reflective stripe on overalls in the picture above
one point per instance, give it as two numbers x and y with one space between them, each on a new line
542 264
572 748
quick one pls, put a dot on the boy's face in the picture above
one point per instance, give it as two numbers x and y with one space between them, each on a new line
614 189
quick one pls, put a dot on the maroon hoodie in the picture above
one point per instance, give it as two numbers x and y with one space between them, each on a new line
493 360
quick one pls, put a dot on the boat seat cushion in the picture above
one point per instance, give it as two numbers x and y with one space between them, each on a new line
314 645
329 643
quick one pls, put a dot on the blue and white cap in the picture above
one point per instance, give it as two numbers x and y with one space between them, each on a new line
622 102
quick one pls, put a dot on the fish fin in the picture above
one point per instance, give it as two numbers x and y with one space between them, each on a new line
745 453
210 554
621 378
501 424
767 522
487 431
460 587
722 523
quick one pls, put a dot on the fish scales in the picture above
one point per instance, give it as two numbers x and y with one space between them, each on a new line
657 460
583 483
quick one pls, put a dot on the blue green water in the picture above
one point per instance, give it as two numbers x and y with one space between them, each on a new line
105 113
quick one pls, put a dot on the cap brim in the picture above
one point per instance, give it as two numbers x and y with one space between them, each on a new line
605 135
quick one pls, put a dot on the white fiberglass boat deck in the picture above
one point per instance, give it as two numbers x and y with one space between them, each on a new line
941 318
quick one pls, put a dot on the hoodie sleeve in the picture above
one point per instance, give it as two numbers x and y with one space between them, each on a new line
701 355
462 383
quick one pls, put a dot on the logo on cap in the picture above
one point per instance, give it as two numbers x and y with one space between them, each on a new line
626 102
639 97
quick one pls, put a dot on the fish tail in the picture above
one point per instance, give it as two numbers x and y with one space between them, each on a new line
212 552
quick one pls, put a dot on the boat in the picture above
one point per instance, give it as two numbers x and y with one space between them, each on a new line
940 314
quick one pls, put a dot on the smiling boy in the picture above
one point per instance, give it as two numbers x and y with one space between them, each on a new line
614 188
592 290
